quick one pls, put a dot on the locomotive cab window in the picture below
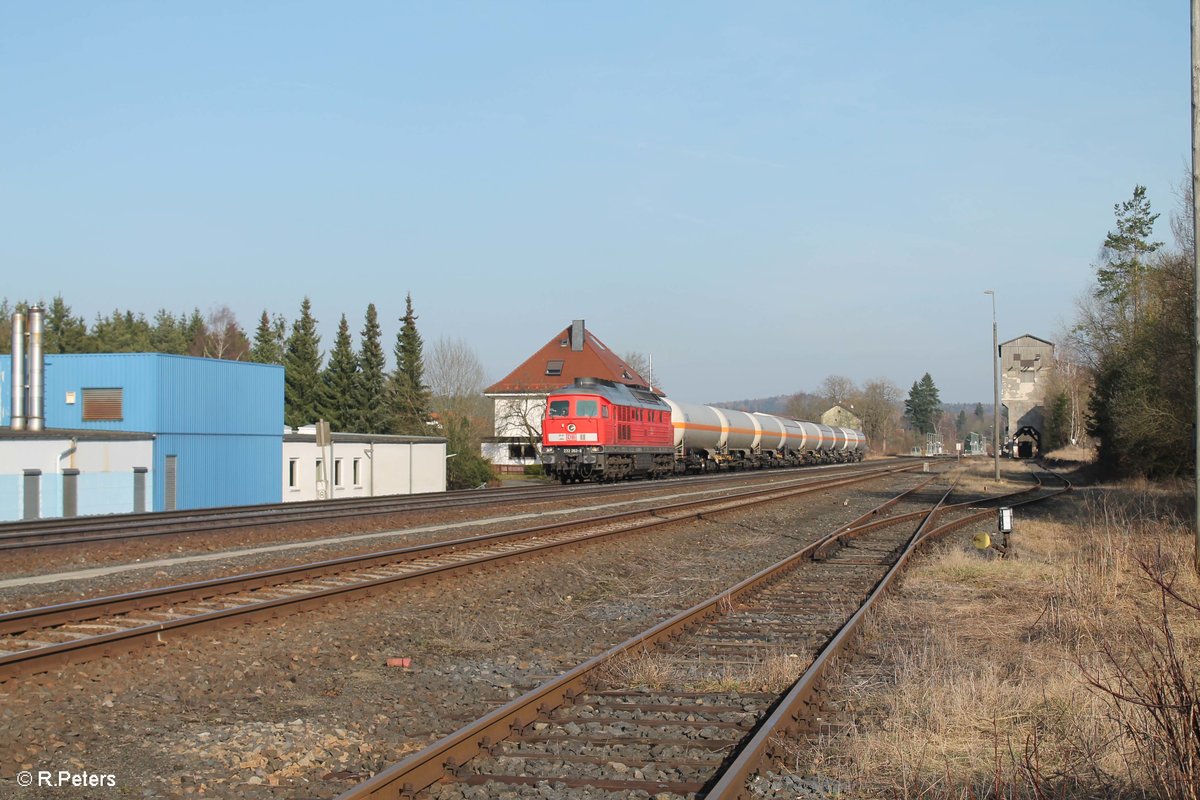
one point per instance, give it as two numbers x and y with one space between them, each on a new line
560 408
586 408
604 411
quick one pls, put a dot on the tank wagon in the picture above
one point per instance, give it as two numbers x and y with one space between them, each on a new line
601 430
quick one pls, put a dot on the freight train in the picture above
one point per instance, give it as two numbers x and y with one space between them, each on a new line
599 430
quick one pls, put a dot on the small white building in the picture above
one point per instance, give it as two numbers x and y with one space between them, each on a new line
361 465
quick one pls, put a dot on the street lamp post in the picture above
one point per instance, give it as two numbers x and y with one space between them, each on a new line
995 387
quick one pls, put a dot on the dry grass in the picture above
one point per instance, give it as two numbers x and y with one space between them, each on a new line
460 635
1074 453
996 678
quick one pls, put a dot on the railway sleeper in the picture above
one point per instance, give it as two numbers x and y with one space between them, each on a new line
609 755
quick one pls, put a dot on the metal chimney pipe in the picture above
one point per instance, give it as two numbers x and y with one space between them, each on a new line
18 372
37 392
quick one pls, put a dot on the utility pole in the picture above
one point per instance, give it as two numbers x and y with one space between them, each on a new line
1195 250
996 381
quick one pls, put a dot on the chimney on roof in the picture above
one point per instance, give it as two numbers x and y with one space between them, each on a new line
577 335
17 419
35 410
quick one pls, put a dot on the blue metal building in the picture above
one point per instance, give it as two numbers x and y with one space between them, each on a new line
217 425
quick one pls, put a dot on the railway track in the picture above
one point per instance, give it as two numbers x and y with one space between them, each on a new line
37 639
27 534
694 734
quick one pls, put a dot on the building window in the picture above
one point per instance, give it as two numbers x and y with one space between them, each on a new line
320 466
356 471
293 473
519 451
337 472
102 405
554 366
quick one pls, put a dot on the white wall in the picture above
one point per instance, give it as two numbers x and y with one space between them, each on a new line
105 474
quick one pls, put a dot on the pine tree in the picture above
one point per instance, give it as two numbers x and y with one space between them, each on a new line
303 395
168 334
194 331
269 339
960 424
341 381
64 333
122 332
6 314
409 396
1120 279
923 406
979 410
370 402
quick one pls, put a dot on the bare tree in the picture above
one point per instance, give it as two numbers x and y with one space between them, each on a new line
878 406
521 417
838 390
452 369
455 376
805 406
640 363
221 336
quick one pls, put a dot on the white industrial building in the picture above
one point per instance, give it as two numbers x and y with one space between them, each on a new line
361 465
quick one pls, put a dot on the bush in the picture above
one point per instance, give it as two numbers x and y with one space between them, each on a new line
534 471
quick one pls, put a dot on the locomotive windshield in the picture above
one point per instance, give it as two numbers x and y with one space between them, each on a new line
586 408
560 408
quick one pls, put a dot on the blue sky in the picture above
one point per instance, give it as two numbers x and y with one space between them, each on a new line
758 194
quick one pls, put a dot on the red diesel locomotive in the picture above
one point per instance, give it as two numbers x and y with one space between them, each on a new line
599 428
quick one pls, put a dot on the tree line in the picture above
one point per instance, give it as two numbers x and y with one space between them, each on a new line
215 335
892 421
353 389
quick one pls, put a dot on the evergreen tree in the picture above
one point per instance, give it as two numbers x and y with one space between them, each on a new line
923 406
979 410
168 334
409 396
303 395
341 382
6 314
122 332
370 402
64 333
1120 279
960 424
269 340
194 331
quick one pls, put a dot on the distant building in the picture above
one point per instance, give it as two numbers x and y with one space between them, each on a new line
519 398
1026 364
838 417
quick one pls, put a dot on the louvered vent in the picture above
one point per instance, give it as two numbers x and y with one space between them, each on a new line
102 405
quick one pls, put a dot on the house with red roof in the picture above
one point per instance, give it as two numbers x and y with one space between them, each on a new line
519 398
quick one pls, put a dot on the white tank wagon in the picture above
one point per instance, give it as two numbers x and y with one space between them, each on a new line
707 437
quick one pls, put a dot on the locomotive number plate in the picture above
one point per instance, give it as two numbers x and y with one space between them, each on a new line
572 437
